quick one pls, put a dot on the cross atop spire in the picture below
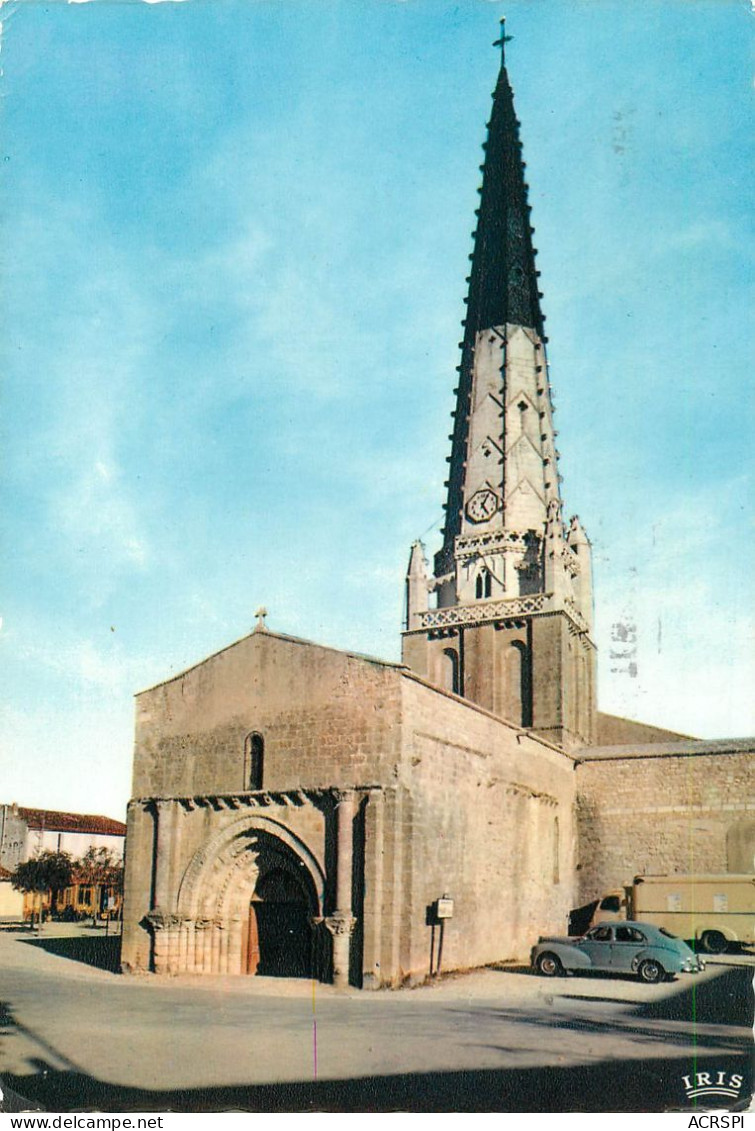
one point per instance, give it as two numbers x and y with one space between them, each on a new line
503 40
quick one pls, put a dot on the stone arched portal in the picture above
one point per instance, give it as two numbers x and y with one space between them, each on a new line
252 861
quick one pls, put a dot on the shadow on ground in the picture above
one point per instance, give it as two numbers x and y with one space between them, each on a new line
727 999
649 1083
628 1086
713 1017
102 951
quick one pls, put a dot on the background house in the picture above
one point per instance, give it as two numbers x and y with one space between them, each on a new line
26 833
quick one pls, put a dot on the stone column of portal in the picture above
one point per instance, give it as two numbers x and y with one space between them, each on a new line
372 913
164 812
159 915
174 941
234 946
341 924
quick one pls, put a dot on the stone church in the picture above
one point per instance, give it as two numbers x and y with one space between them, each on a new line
303 811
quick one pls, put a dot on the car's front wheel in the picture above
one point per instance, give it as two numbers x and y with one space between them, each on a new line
650 971
549 965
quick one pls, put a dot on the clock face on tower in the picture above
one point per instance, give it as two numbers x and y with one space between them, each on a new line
482 505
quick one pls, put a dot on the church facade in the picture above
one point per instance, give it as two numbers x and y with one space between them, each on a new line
302 811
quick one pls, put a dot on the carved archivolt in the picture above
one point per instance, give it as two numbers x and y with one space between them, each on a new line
221 877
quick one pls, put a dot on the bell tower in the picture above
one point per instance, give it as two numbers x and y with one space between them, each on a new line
505 619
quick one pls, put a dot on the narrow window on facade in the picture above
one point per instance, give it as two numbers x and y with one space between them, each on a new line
518 687
254 756
450 674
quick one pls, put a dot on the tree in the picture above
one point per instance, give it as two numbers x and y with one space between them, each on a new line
104 871
50 871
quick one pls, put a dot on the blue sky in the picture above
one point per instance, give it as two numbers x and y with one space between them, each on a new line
234 243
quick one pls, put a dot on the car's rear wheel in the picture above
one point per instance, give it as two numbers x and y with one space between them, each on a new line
650 971
549 965
714 942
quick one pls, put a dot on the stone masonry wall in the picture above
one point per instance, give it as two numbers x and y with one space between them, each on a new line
327 718
659 815
488 819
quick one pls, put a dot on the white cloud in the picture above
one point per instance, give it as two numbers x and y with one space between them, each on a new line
97 515
701 234
77 661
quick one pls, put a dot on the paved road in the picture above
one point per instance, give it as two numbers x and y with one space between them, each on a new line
74 1036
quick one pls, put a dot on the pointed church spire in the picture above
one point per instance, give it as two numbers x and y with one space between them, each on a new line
503 279
503 295
511 621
